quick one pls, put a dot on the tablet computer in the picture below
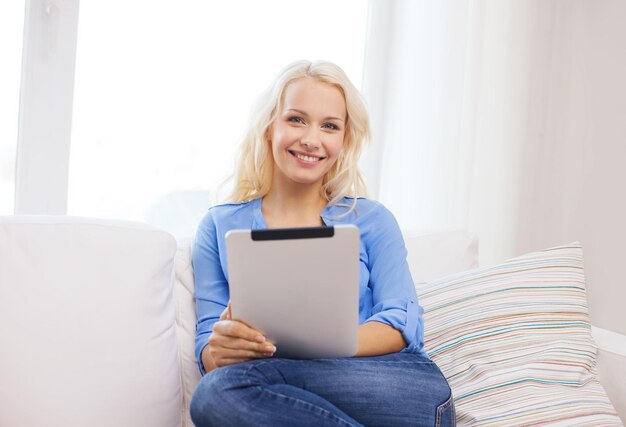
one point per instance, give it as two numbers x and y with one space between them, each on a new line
298 286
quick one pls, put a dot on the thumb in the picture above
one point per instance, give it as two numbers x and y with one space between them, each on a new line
225 313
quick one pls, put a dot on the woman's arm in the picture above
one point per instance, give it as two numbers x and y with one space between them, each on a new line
376 338
219 340
394 300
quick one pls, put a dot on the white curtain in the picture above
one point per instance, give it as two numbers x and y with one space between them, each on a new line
415 66
505 118
449 85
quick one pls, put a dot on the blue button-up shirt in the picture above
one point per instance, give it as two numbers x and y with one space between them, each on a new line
386 289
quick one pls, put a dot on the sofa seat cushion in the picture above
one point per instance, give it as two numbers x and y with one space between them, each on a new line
87 324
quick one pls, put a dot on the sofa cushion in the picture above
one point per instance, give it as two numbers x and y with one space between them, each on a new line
186 325
87 324
514 341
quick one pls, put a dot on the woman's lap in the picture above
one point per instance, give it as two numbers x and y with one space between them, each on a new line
394 389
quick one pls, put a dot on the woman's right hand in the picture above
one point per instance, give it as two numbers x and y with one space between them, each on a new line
232 341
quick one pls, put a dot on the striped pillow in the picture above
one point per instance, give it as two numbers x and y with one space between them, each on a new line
514 341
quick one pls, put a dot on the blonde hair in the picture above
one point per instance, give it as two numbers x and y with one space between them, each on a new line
253 175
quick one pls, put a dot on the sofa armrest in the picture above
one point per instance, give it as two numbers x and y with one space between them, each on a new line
87 323
612 366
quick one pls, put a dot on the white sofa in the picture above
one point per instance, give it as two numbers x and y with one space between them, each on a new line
97 321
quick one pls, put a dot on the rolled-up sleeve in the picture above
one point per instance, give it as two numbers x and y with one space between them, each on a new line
211 286
394 300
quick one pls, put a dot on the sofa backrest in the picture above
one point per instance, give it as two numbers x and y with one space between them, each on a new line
436 254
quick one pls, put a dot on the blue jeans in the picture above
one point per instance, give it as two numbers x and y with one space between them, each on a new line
398 389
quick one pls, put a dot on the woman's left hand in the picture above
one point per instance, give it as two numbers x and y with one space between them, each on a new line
233 341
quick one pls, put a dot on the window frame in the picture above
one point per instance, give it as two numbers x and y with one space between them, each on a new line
45 107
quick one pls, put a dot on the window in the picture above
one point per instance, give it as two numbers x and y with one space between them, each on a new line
11 35
163 91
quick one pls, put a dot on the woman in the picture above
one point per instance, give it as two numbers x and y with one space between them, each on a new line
298 168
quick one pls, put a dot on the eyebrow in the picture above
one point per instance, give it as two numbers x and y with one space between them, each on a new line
305 114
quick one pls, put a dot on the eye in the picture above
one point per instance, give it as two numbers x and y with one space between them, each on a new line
295 119
331 126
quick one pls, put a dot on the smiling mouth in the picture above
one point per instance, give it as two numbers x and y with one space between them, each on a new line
305 157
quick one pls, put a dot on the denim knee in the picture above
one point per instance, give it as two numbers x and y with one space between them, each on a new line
218 395
446 413
211 397
202 401
440 390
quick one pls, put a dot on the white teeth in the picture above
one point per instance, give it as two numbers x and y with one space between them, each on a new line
306 158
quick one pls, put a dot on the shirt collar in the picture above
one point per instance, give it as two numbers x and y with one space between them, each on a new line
259 223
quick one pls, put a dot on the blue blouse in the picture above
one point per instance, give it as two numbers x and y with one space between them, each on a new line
386 289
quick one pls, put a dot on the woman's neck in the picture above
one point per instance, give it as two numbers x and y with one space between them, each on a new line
293 207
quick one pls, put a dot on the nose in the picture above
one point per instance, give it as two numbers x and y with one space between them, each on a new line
311 139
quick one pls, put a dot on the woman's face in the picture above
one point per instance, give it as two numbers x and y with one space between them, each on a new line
308 133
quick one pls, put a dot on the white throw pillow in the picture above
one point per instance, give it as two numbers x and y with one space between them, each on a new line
514 341
87 324
440 253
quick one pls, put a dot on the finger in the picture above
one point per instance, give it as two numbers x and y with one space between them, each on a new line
230 311
244 345
226 362
225 353
234 328
224 314
217 341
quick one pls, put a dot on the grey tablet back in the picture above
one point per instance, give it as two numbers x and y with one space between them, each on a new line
298 286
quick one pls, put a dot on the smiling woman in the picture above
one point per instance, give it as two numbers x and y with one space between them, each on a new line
298 168
160 103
